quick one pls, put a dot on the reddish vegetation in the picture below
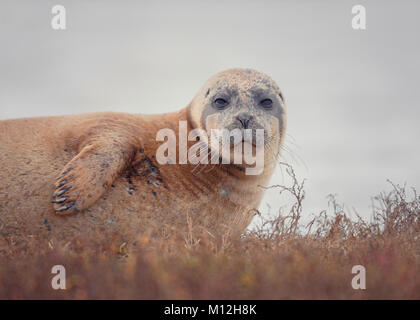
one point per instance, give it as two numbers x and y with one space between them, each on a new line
280 260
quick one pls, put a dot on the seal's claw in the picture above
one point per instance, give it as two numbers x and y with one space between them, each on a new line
61 192
64 173
62 183
64 198
65 207
60 200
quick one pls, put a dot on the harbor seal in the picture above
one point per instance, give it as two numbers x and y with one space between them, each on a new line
82 175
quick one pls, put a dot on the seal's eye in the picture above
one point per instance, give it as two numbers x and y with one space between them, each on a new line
266 103
221 103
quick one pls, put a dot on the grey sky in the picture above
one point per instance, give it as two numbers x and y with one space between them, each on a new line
352 96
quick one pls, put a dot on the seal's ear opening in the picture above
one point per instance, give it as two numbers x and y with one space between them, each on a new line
281 96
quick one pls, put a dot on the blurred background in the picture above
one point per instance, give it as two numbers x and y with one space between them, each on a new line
352 96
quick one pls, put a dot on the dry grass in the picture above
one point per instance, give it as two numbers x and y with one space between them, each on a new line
280 260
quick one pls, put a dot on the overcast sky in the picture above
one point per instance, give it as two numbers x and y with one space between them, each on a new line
352 96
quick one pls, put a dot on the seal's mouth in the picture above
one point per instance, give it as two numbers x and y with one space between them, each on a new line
253 138
243 142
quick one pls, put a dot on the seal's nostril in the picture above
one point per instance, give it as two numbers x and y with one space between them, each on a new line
244 119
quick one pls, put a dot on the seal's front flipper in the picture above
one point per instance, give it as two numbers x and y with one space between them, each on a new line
87 176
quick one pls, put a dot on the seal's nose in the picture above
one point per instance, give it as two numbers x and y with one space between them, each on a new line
244 119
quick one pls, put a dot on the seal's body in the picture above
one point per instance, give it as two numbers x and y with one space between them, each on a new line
97 174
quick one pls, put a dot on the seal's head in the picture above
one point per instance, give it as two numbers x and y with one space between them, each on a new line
240 99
